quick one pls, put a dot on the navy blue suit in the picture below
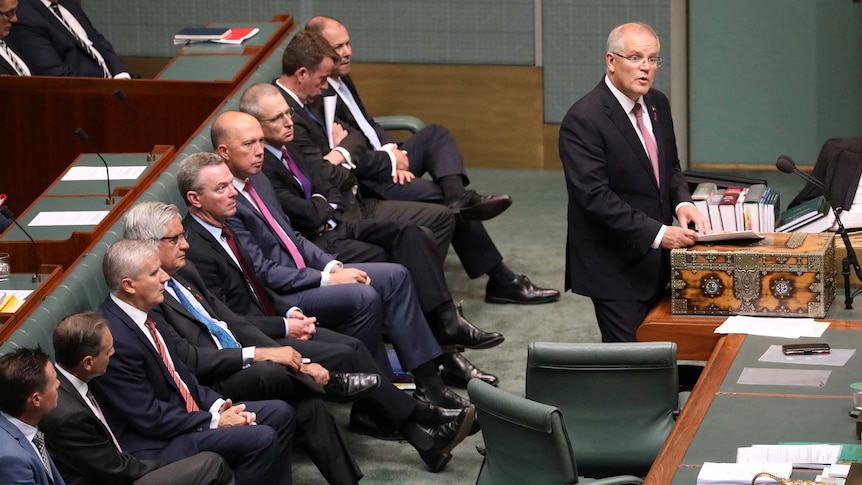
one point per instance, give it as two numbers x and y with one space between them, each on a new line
49 49
149 418
19 462
390 295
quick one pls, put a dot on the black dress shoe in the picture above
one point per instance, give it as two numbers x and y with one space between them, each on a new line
520 290
451 328
477 207
457 371
348 387
436 443
431 390
437 416
362 423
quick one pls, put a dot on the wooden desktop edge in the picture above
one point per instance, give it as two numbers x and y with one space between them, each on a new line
49 283
670 457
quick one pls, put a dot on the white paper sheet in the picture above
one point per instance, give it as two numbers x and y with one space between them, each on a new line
802 456
784 377
98 173
773 326
68 218
741 473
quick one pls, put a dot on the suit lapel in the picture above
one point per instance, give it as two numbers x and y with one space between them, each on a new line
68 388
139 334
280 166
623 123
58 24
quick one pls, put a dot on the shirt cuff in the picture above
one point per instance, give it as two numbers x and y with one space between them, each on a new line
676 209
391 158
122 75
215 414
348 162
248 355
657 241
329 268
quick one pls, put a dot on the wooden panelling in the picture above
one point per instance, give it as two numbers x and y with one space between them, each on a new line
495 112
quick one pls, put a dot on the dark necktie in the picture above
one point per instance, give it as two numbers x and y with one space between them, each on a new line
12 58
191 405
315 118
652 150
300 177
55 7
273 224
250 277
225 339
39 443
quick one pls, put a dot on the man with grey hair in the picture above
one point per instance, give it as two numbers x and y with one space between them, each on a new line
625 185
158 408
78 435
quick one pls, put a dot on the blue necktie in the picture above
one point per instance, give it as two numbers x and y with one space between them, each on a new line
223 336
315 118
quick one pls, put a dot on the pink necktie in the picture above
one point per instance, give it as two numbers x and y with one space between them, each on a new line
267 215
191 405
648 140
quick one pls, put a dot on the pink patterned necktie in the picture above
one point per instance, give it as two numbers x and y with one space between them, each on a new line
648 140
191 405
267 215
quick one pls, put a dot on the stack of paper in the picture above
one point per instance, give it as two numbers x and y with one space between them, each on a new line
801 456
200 34
735 473
773 326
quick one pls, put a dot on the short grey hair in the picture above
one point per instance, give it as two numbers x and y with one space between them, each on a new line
123 259
250 100
615 39
189 172
148 220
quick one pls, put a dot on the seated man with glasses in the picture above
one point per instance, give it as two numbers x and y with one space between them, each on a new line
10 61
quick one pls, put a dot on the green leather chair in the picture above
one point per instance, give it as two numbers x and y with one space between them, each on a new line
400 122
620 398
525 441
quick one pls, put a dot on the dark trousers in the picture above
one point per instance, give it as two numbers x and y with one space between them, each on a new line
205 468
619 319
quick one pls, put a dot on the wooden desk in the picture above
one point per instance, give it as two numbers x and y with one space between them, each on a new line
51 277
63 245
693 334
717 385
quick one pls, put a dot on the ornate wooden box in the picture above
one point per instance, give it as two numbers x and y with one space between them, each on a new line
784 274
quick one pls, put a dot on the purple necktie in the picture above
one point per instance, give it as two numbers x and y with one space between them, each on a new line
300 177
267 215
648 140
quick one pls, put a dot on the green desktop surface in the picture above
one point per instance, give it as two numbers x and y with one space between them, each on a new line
267 30
205 68
21 281
47 233
96 187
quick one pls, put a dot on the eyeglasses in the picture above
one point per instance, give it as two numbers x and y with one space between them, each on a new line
652 61
9 13
290 112
174 240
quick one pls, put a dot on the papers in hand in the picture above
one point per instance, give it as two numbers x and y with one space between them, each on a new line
773 326
729 236
733 473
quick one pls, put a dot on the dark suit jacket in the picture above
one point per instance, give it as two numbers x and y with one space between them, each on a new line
270 258
615 208
81 445
21 463
342 112
49 49
311 140
225 281
839 167
306 215
138 396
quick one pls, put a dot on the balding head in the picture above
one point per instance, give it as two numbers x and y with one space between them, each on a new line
238 140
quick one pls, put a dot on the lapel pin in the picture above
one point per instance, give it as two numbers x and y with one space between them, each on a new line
654 114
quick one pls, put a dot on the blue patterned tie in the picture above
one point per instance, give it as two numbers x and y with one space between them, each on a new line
224 338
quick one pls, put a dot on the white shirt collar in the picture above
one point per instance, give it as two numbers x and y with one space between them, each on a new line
28 431
291 93
80 386
626 102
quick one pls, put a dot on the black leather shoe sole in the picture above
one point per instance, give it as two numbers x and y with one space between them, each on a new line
344 393
487 209
522 300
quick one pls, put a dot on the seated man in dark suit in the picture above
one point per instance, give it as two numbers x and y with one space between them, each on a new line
10 61
156 407
187 306
56 38
839 168
28 391
431 150
78 436
303 275
392 231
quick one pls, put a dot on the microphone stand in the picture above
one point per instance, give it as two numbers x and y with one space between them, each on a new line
850 259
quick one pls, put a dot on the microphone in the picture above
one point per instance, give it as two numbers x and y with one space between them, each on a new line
787 165
8 213
124 98
86 139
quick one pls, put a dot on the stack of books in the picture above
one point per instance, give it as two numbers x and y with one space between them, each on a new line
737 209
813 215
222 35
